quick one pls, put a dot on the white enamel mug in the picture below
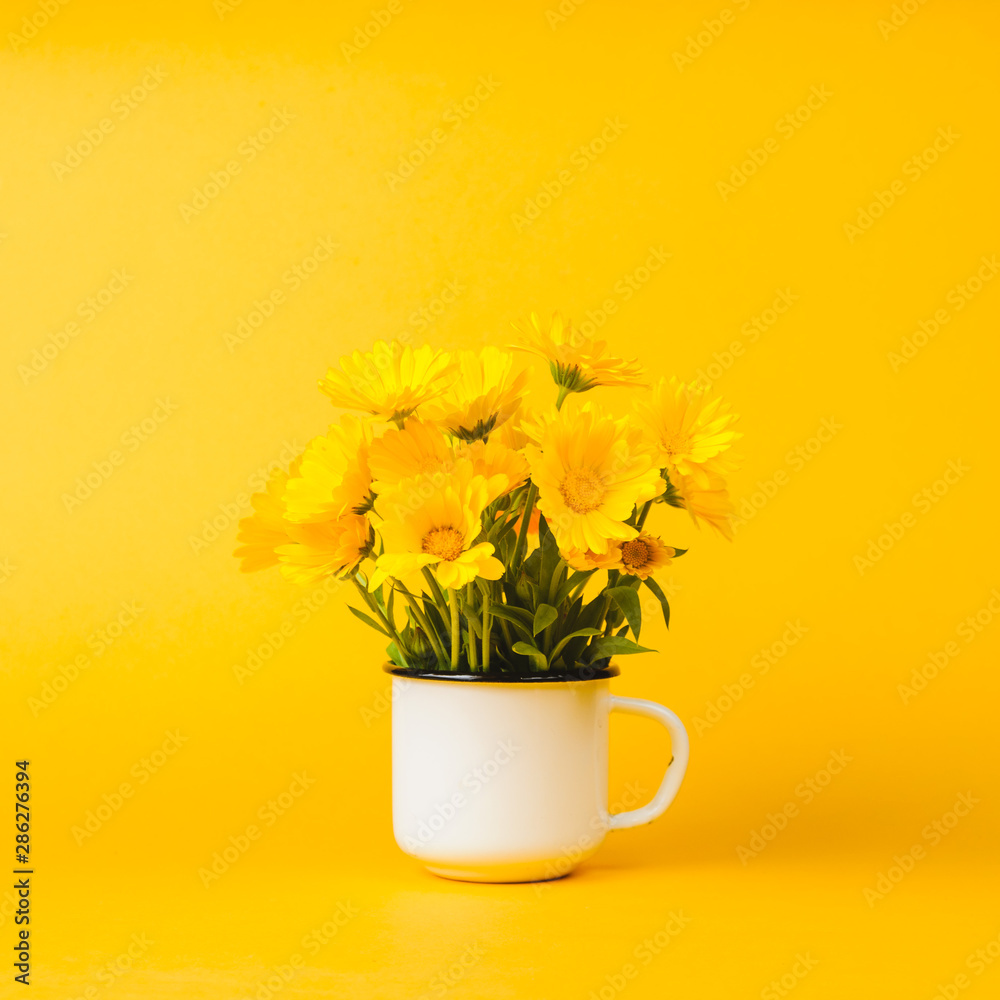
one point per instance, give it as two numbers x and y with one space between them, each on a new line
507 781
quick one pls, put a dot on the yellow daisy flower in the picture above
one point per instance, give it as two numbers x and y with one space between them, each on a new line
692 432
423 523
587 560
590 473
710 504
390 380
576 363
484 396
492 458
419 448
644 555
326 548
333 478
264 530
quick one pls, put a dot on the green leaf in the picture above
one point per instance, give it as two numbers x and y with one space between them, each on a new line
536 656
661 597
545 615
614 645
395 654
509 614
566 638
627 599
367 620
678 552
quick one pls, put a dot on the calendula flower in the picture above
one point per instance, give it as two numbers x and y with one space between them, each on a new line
692 432
266 528
423 523
523 428
483 397
576 363
590 473
389 381
710 504
418 448
333 478
586 560
492 458
325 548
644 555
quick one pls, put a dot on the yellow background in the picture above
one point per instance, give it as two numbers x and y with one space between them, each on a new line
324 175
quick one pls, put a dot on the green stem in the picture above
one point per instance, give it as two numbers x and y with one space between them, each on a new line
455 633
643 514
604 614
522 535
473 656
425 624
563 393
436 592
487 628
373 604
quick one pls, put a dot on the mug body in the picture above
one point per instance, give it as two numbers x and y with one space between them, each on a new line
500 781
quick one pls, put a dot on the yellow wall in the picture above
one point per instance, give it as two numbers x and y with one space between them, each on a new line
828 374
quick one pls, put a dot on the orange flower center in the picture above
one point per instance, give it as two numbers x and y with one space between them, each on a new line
635 553
445 543
582 490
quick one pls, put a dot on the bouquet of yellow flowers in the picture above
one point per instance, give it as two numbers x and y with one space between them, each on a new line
471 524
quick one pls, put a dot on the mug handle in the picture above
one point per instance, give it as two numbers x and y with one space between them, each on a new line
675 769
